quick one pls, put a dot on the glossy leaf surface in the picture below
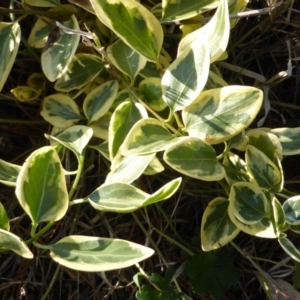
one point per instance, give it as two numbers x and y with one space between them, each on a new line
133 23
194 158
10 36
95 254
219 114
41 186
217 228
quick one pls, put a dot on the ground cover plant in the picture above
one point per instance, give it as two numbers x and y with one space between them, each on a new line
147 171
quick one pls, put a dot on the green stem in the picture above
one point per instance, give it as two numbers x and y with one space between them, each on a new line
78 174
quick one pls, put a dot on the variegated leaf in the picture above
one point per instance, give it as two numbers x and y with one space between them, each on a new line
291 208
289 248
100 126
151 93
25 93
12 242
82 69
263 228
124 198
266 142
185 78
4 220
60 110
289 139
59 50
74 138
264 172
235 169
95 254
238 142
219 114
41 186
194 158
126 59
132 23
128 168
279 215
180 10
10 36
123 119
248 203
215 33
9 173
217 229
147 136
42 27
99 100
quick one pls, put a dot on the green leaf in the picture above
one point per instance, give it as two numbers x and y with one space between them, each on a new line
39 33
235 169
215 33
217 228
185 78
83 4
265 228
180 10
126 59
74 138
147 136
194 158
124 198
41 186
128 168
82 69
248 203
211 273
117 197
266 142
99 100
132 23
102 149
42 27
60 110
263 170
100 126
57 55
279 215
296 277
151 93
289 248
43 3
164 192
9 173
291 208
10 36
95 254
238 142
4 220
122 120
12 242
289 139
219 114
